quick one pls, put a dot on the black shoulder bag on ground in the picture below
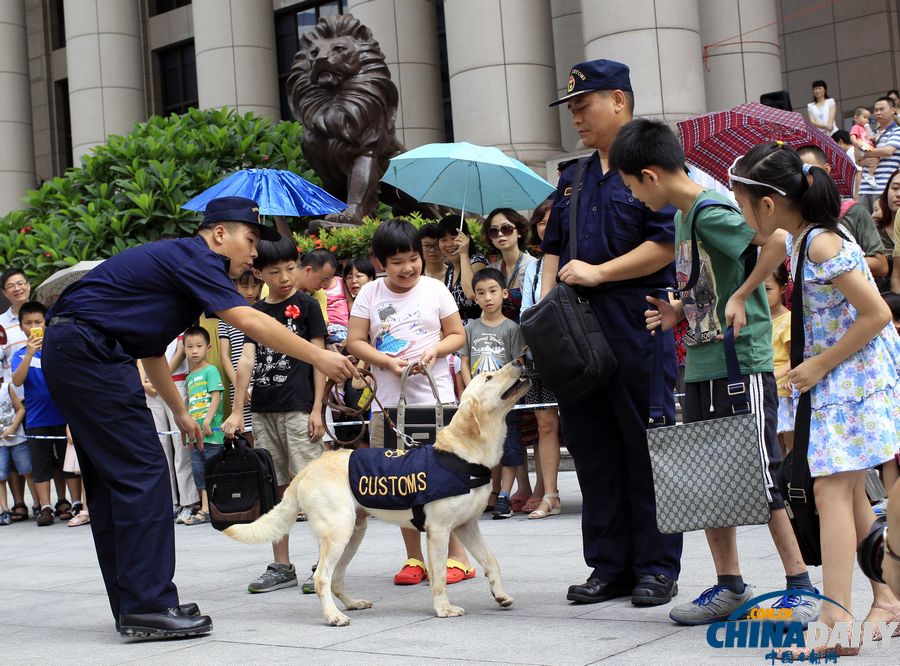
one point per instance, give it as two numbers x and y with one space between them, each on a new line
241 483
567 343
794 477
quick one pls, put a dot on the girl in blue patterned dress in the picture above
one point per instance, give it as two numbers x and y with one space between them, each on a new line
851 358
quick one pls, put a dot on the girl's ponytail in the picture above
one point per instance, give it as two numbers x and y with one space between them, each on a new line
820 203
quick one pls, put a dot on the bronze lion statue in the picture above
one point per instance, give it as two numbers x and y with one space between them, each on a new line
341 91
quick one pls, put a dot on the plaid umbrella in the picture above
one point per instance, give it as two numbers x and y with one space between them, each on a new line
713 141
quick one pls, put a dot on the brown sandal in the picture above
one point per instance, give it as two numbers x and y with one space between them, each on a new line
63 510
19 512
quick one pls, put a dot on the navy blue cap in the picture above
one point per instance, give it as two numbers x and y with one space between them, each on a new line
238 209
596 75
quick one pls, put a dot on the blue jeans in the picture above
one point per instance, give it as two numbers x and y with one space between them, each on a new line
198 462
513 453
20 456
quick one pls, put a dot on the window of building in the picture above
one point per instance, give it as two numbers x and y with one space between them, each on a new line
289 26
445 72
177 67
63 125
57 25
162 6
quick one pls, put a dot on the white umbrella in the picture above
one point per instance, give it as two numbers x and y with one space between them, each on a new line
50 289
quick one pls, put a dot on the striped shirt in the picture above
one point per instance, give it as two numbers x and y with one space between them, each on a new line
235 338
886 165
15 340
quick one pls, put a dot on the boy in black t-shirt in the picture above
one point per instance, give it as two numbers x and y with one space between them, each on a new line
287 393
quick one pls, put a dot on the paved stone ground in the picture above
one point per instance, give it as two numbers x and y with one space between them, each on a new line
55 609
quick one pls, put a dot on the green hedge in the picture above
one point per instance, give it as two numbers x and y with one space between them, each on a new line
130 190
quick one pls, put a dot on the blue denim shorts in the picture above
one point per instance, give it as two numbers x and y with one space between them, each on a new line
198 462
513 453
20 456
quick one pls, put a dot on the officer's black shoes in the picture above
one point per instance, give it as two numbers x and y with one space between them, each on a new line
186 610
654 590
164 624
595 590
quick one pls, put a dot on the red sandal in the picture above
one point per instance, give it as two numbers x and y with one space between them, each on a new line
457 572
412 573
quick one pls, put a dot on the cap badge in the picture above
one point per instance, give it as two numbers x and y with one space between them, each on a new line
571 85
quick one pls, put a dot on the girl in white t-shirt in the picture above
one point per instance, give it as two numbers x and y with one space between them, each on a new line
397 320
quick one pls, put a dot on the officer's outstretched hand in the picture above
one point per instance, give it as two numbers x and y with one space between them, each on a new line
335 366
191 432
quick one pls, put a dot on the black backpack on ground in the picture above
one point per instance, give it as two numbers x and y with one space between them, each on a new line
240 483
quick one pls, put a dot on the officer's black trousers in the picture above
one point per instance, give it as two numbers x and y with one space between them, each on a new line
606 435
98 389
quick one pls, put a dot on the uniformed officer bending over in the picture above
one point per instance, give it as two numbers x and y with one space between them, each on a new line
131 307
624 250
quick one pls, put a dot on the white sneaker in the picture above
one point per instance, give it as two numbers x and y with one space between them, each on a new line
185 513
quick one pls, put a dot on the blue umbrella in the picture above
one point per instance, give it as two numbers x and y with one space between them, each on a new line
277 192
465 176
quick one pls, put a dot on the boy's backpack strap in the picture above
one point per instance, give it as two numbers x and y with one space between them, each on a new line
749 260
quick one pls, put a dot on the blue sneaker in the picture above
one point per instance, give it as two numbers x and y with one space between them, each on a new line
880 509
715 604
803 609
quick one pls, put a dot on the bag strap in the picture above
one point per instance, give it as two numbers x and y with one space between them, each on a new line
401 403
737 389
573 207
800 465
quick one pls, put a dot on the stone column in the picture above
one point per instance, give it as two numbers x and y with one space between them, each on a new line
17 156
234 41
744 66
568 49
406 31
660 42
502 76
104 59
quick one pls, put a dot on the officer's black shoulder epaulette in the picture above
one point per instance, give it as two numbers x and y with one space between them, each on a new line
565 164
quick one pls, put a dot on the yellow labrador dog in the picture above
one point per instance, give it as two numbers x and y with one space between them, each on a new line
323 490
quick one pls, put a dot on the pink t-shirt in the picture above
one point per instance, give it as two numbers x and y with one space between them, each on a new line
860 133
338 309
404 326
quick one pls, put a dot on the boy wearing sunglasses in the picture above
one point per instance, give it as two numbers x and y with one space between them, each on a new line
649 157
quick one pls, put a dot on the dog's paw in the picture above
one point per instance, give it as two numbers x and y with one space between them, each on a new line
337 619
450 611
358 604
504 600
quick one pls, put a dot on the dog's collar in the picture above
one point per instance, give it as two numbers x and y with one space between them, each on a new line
480 475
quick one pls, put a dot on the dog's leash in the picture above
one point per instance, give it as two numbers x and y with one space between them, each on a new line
336 404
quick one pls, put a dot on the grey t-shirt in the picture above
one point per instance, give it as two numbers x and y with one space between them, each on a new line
489 348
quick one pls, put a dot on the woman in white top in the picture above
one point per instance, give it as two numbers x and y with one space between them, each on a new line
822 109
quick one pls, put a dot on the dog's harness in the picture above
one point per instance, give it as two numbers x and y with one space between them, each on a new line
409 479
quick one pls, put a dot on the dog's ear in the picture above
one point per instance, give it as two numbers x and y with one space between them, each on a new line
470 424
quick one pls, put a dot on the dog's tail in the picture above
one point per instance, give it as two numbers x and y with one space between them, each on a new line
272 526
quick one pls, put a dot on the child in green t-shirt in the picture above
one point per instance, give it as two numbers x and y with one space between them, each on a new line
204 402
650 160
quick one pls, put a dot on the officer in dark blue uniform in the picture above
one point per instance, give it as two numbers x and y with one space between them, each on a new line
131 307
624 251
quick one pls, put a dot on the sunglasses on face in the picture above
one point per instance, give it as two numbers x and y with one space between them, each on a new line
430 247
748 181
503 230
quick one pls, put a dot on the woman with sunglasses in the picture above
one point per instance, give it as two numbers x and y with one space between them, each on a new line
456 246
507 231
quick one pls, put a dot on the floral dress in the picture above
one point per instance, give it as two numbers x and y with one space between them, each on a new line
856 406
468 309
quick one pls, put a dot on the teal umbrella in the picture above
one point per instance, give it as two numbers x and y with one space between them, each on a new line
465 176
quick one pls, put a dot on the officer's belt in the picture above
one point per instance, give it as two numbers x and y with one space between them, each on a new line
480 476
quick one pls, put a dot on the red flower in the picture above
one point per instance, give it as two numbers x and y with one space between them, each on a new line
265 158
333 248
48 255
25 230
292 311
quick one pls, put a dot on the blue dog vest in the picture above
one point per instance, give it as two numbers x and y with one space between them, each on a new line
397 479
